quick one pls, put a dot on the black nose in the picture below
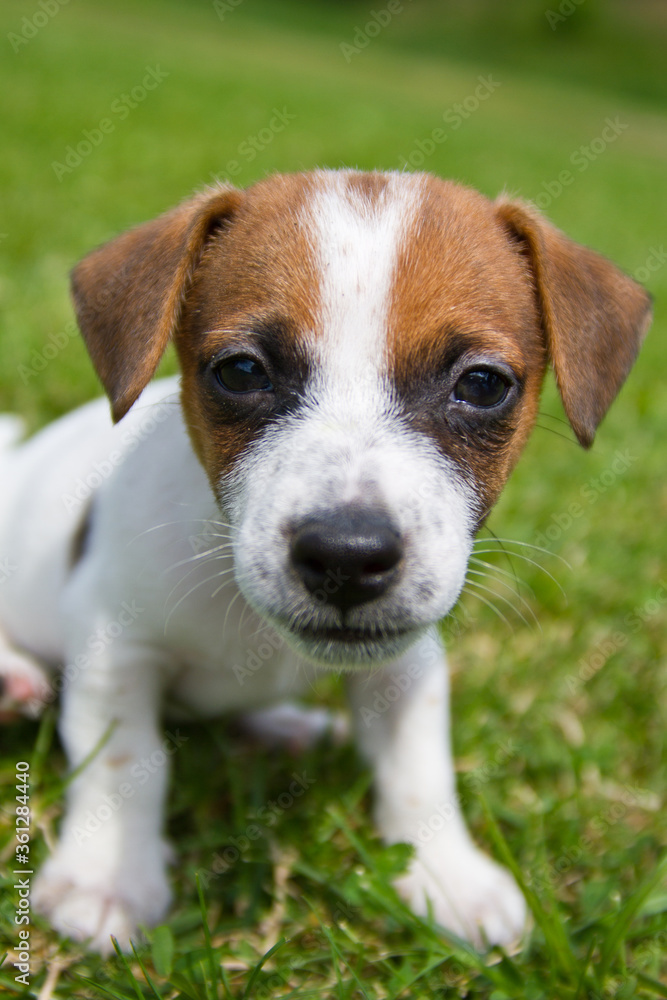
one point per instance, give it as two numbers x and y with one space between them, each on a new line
347 557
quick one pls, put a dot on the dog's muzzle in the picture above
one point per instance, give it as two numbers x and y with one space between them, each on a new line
342 560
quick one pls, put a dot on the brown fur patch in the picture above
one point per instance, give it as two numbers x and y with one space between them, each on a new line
366 186
259 271
128 293
594 317
462 290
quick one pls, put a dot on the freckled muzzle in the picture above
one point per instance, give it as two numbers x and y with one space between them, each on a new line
338 545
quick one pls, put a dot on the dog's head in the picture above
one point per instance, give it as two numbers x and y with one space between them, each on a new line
361 357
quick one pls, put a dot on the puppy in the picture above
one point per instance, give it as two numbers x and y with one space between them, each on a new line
361 358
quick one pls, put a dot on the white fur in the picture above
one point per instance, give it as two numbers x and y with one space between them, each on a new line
349 444
153 604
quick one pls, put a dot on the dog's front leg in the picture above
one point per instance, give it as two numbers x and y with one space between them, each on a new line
402 722
107 874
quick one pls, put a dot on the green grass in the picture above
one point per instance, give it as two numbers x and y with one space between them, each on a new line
560 726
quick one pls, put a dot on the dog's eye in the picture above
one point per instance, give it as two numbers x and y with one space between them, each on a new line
481 387
242 375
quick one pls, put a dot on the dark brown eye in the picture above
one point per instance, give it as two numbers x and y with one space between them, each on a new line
242 375
481 387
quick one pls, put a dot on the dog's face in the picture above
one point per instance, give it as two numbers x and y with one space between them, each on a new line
362 356
360 367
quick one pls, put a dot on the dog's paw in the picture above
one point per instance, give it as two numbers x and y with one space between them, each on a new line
89 908
296 727
87 915
468 894
24 686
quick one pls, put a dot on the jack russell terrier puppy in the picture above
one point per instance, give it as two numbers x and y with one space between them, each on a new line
361 359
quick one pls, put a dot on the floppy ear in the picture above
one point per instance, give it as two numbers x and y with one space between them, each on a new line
594 316
129 293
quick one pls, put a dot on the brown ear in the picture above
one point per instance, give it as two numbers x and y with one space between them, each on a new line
129 293
595 317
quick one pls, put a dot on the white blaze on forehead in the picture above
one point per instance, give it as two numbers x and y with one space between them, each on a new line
357 236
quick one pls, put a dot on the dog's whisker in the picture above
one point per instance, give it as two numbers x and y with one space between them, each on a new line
558 434
467 589
263 626
226 583
186 576
200 583
229 573
495 570
245 611
499 571
554 417
231 604
179 524
500 597
154 527
503 583
521 555
227 525
215 552
502 542
528 622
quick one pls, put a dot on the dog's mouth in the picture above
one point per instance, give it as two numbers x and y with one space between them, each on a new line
350 644
335 633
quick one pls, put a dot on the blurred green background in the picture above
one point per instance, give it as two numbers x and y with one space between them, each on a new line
362 86
512 96
374 87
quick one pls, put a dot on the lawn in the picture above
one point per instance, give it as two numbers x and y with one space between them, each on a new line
559 705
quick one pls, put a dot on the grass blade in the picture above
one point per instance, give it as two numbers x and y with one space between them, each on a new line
126 965
627 915
162 950
258 968
210 954
554 933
